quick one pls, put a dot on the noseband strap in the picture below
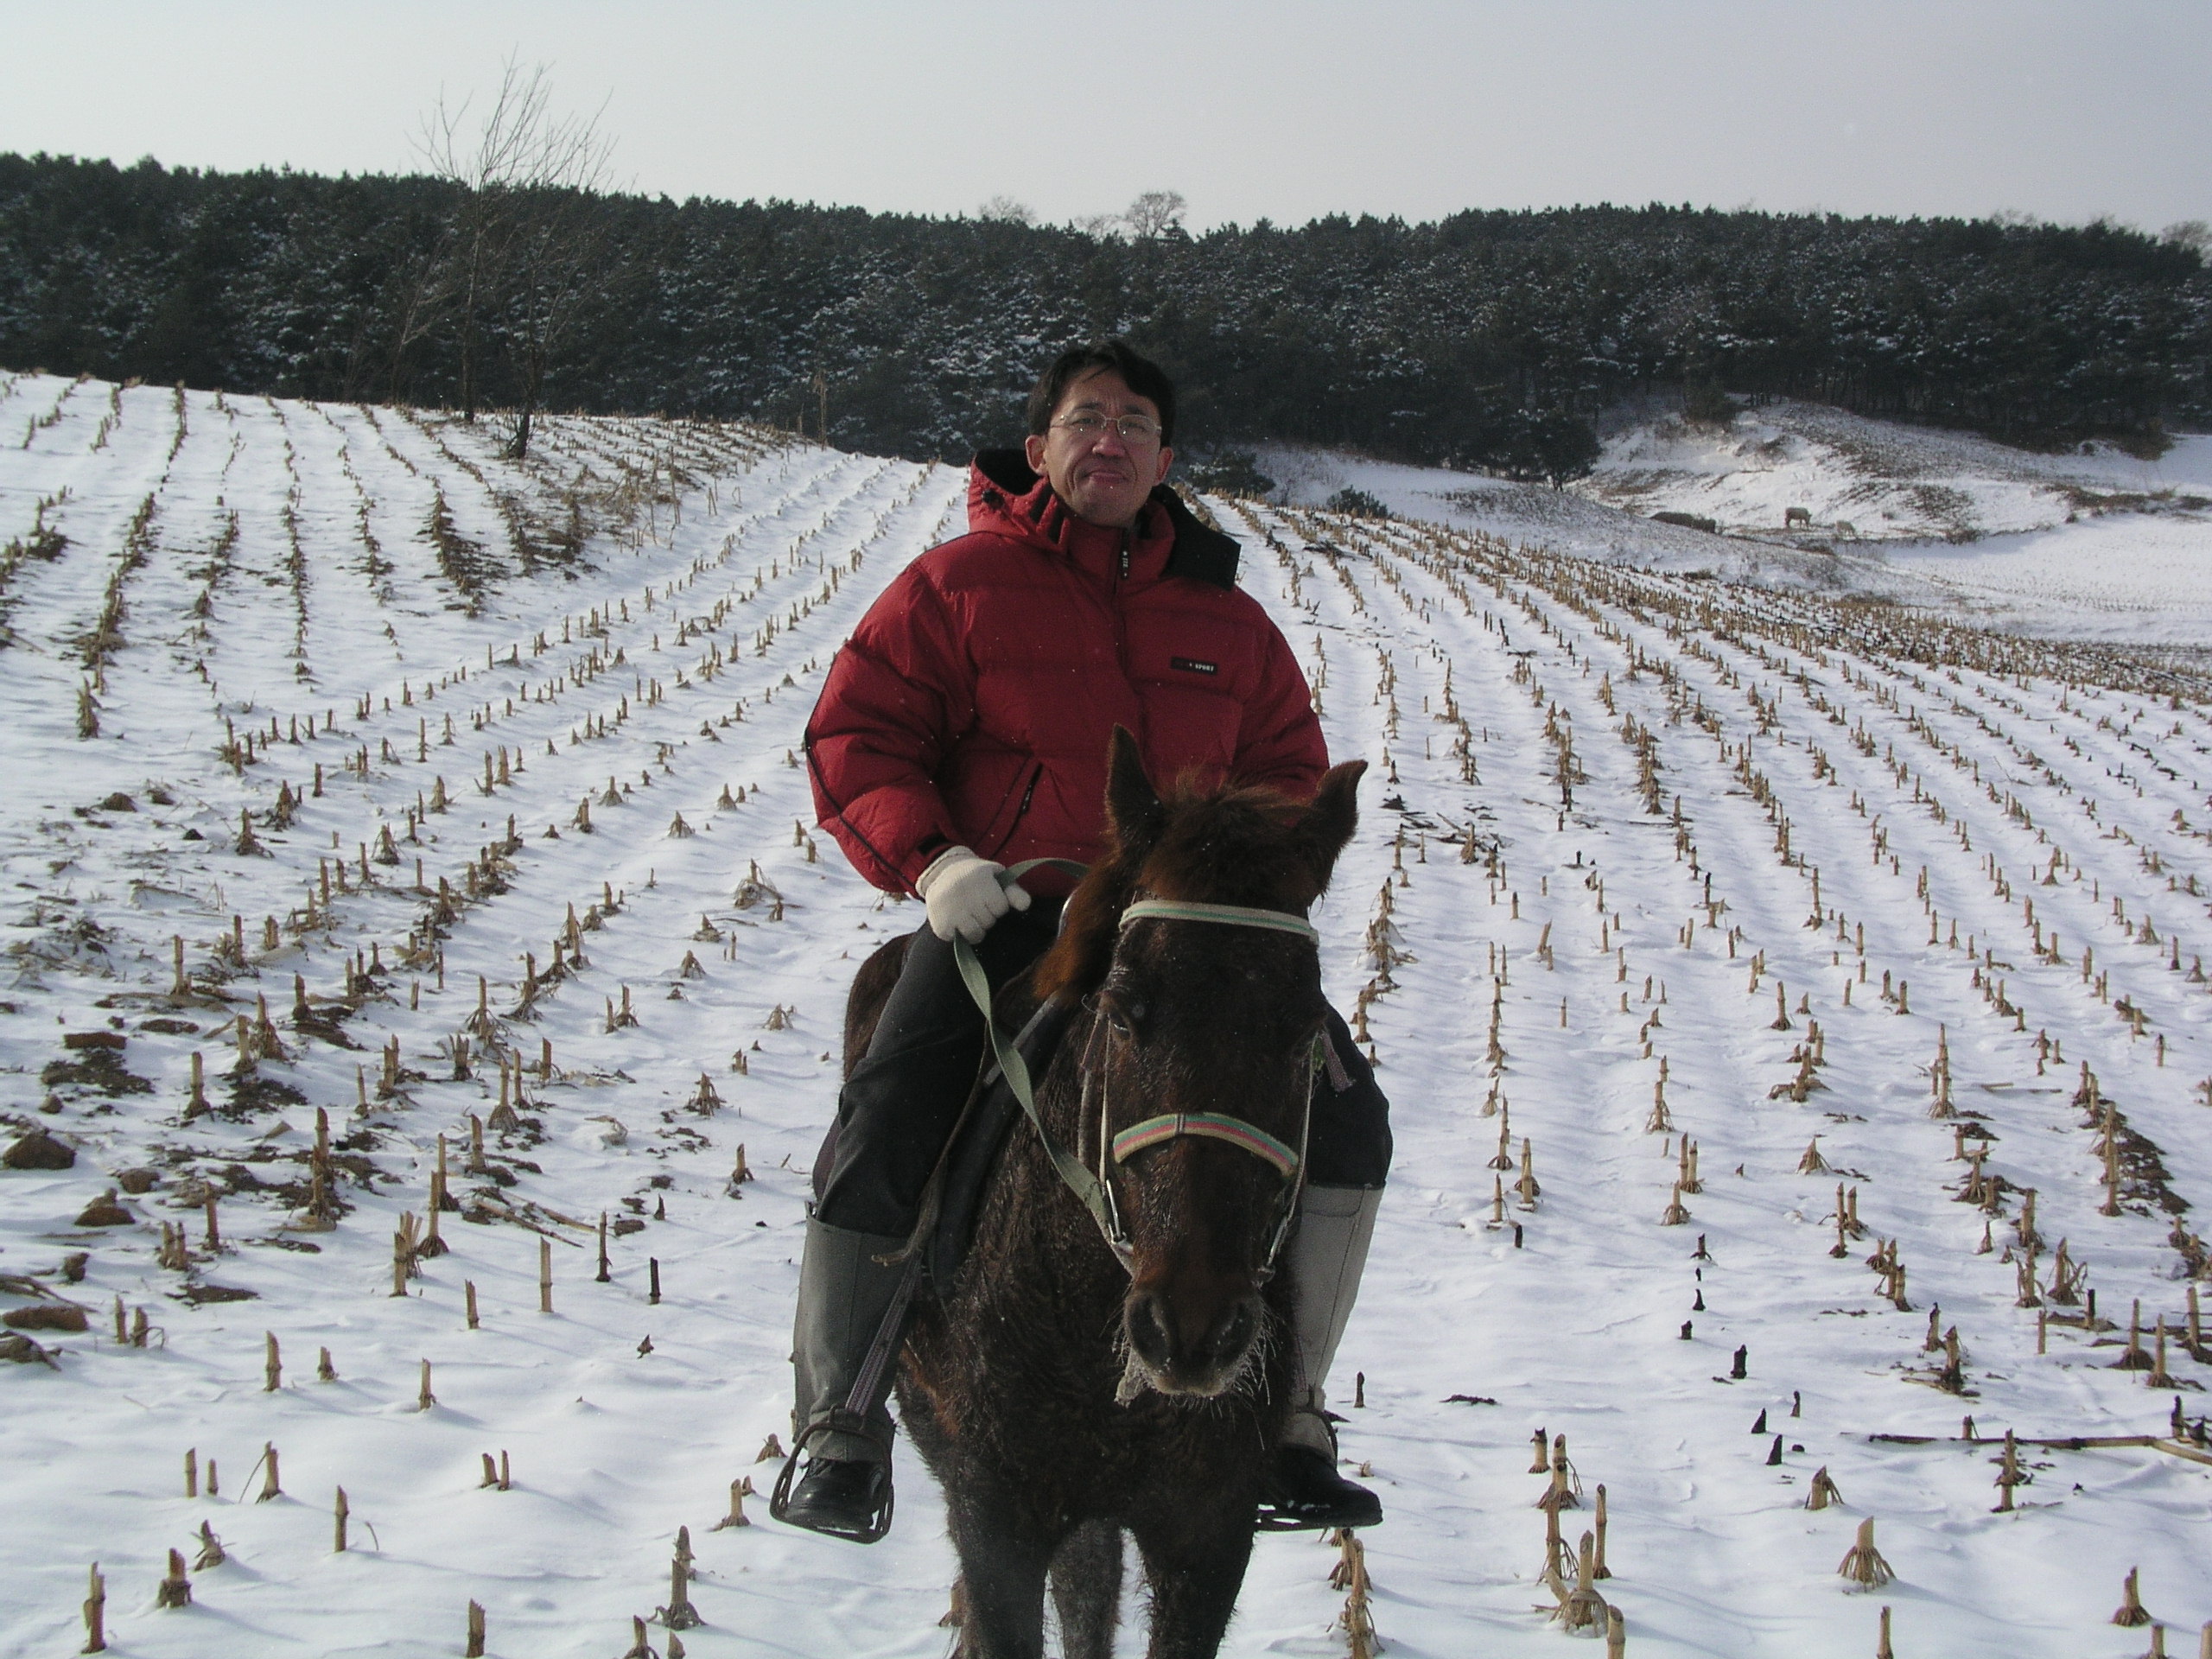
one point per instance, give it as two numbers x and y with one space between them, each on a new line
1097 1195
1188 910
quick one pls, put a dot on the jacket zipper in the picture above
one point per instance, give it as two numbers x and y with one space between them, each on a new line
1121 635
998 843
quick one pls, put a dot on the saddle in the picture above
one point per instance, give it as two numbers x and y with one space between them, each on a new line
955 1194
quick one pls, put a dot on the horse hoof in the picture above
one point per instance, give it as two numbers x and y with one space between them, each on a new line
841 1497
1302 1491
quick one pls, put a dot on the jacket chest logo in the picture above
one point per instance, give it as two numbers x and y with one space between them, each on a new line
1192 665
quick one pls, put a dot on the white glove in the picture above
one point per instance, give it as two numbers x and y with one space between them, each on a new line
964 895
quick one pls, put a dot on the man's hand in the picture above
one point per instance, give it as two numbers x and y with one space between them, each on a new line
964 895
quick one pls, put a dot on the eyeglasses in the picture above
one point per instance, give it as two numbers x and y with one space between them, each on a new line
1089 423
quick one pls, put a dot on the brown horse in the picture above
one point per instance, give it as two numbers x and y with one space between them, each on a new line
1085 1376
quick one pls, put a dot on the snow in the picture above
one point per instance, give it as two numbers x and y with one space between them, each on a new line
1574 1326
2099 545
1890 482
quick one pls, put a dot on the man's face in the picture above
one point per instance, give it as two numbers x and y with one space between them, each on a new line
1103 477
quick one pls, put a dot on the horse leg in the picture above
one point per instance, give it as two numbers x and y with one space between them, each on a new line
1194 1573
1003 1573
1087 1590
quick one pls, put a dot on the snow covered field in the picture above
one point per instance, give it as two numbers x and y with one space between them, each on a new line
2101 545
1630 838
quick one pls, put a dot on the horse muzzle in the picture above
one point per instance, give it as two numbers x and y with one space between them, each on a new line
1188 1338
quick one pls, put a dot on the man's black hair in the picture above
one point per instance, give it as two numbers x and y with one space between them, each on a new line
1140 374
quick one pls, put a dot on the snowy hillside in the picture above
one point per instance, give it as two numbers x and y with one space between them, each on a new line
1820 886
1886 481
2097 545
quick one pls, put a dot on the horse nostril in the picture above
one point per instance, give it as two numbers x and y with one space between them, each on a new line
1233 1335
1148 1331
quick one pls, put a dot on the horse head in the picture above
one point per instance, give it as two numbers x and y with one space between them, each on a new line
1205 1021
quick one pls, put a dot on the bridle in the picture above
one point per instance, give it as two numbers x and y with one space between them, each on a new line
1094 1187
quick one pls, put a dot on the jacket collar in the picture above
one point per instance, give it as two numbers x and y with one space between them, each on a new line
1005 497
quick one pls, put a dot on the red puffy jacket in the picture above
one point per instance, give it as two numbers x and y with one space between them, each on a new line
973 705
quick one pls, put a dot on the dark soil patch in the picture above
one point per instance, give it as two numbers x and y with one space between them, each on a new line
46 1316
24 1352
200 1295
99 1070
254 1093
296 1195
324 1023
107 1212
39 1150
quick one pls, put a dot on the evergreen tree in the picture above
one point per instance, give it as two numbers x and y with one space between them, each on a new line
1484 339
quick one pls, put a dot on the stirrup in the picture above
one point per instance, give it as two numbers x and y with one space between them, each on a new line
843 1422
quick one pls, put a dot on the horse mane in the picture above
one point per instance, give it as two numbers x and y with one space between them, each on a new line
1234 844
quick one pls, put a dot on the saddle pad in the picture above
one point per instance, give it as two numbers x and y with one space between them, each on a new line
969 1162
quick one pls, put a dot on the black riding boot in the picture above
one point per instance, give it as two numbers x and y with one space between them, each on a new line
844 1488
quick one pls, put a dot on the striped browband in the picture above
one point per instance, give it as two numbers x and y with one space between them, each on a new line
1235 1130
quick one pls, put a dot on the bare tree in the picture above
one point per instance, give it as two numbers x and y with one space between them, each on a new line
1099 228
524 251
1005 210
1154 214
413 307
562 259
2192 233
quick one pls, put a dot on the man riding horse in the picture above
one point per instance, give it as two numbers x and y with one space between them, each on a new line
964 727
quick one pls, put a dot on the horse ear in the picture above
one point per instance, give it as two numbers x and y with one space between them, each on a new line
1331 817
1133 805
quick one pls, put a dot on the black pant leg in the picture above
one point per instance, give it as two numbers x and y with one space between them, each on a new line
1348 1142
898 1108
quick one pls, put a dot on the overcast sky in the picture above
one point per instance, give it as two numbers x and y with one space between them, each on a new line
1282 109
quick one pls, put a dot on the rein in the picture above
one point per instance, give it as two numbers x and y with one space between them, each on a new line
1095 1189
